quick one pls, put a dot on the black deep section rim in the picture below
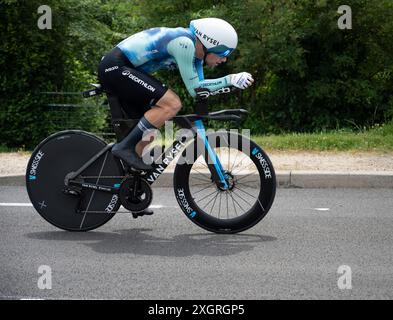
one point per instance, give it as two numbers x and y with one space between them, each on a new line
29 187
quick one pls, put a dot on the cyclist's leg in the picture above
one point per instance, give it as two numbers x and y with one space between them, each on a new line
165 109
142 145
139 91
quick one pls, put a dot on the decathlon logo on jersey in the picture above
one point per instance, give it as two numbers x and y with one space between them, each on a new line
128 74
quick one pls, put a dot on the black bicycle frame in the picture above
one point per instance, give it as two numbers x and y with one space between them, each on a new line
193 122
158 166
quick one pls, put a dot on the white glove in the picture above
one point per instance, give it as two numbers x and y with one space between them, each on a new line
241 80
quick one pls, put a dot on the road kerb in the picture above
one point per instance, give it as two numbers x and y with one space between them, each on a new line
285 179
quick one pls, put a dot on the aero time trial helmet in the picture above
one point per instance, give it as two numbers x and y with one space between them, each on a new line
216 35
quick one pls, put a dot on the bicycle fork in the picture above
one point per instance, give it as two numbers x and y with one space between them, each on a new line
211 158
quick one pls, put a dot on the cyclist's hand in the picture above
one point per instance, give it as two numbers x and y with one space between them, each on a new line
241 80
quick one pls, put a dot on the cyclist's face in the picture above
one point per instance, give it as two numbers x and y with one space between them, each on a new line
213 60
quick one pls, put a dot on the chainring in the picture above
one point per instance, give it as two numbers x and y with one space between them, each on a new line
140 199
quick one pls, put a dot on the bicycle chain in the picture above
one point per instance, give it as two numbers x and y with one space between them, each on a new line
83 212
105 177
108 177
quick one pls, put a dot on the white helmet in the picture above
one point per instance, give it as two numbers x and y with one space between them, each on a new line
216 35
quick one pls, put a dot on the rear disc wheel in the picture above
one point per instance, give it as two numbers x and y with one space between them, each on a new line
52 160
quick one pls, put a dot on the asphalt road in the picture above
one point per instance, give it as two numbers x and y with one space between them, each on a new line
294 253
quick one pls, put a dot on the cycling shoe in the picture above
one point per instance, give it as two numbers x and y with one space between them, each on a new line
146 212
131 158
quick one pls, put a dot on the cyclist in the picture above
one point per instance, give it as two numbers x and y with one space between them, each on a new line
125 71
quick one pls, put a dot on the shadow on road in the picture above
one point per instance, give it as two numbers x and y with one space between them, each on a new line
141 242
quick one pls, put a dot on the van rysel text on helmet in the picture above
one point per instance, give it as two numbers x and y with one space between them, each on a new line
211 40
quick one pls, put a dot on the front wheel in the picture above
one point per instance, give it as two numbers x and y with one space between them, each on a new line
250 176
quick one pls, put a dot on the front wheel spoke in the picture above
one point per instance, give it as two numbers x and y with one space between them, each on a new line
237 153
242 198
237 172
234 205
206 205
248 185
251 195
215 198
219 207
244 176
226 194
199 200
263 209
203 163
233 168
202 189
201 173
238 203
200 184
200 179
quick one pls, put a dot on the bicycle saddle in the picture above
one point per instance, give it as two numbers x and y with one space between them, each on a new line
98 89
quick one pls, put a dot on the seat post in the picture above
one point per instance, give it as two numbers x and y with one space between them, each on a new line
121 124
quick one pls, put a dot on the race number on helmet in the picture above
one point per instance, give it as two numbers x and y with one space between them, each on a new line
216 35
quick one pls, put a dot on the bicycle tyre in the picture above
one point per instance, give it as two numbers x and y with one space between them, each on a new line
265 197
50 162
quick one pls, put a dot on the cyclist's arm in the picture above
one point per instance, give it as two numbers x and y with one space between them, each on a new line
183 51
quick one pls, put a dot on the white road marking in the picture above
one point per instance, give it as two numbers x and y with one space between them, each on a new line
153 206
158 206
322 209
10 204
21 298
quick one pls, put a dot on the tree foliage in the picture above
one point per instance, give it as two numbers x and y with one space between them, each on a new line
310 75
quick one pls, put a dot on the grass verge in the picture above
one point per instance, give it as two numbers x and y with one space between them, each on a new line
377 139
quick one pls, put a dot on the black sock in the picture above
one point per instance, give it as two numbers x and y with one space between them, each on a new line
136 134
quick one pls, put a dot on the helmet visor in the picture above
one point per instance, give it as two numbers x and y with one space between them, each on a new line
221 51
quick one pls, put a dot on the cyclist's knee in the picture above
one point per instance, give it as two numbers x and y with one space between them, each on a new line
170 103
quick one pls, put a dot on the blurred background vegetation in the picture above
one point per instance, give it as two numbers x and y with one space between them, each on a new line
310 76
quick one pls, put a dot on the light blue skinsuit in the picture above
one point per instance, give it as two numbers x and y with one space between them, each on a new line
170 48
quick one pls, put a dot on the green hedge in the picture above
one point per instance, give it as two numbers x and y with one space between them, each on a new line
310 75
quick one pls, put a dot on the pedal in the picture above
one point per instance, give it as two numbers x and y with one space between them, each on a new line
146 212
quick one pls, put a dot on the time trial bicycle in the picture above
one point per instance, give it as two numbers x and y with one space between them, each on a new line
223 181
